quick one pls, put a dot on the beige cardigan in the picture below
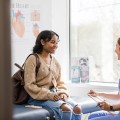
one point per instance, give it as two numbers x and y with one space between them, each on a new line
47 77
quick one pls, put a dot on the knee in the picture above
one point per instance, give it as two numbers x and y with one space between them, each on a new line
77 109
65 107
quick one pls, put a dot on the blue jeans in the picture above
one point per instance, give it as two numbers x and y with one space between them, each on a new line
55 106
104 115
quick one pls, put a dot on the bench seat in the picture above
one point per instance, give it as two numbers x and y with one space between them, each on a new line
24 113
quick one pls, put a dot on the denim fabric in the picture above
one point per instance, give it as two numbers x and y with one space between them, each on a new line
104 115
55 106
76 116
98 114
66 115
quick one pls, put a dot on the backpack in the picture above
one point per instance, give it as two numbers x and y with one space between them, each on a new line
20 96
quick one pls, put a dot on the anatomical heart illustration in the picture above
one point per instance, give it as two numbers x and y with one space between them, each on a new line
35 18
35 29
18 23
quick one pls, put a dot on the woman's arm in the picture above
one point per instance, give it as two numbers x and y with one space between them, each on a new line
60 86
109 95
116 107
35 90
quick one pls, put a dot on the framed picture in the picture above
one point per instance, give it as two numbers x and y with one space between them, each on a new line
80 70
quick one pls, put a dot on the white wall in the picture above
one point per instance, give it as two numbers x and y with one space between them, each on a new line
54 15
60 24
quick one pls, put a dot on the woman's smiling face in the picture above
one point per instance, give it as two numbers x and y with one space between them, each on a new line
52 45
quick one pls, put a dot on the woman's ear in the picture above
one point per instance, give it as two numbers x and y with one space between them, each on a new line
42 42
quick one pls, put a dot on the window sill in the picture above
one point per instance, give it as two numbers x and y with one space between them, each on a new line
81 89
97 84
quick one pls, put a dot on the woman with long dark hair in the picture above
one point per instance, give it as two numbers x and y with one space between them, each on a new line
47 88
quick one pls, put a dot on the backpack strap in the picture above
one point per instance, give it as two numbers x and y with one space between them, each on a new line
37 63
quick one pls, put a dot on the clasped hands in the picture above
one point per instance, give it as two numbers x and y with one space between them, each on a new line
60 97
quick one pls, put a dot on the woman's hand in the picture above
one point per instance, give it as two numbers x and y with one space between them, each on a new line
60 97
92 93
104 106
56 97
63 97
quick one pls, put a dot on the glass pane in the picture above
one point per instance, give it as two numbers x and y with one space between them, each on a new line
94 30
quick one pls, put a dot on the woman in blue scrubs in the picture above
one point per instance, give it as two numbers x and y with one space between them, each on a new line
108 111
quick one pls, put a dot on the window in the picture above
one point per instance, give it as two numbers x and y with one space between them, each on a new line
94 30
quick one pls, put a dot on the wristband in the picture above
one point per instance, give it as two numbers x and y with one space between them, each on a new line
111 108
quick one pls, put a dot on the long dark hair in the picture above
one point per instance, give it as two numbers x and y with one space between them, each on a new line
45 35
118 41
